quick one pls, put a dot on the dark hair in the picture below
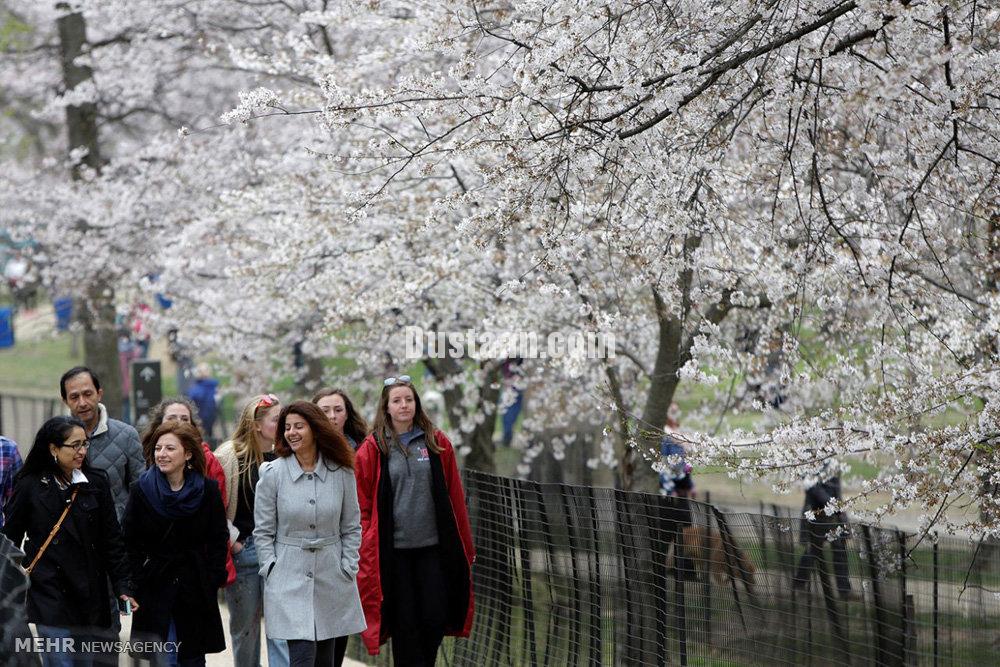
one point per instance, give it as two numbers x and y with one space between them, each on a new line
329 441
160 409
72 373
382 424
53 432
355 426
189 436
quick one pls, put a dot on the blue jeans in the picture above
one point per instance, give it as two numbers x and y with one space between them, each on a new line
245 598
171 660
60 658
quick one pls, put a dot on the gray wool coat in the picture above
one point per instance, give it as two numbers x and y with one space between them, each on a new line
308 533
115 449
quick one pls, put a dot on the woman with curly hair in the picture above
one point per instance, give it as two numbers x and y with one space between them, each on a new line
308 534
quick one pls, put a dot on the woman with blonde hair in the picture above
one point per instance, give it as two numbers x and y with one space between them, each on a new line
241 457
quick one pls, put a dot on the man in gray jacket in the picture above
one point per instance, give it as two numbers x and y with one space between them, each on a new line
114 448
114 445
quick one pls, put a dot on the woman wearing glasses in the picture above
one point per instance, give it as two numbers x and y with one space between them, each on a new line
416 551
241 457
65 508
181 409
308 534
176 538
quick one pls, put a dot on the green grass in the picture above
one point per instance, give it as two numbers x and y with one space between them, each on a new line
33 368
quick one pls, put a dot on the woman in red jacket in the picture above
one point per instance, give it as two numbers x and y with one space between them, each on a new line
416 544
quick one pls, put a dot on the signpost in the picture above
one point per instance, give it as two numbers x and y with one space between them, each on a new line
147 388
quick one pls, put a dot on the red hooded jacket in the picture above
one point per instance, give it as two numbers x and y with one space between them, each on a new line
375 499
213 470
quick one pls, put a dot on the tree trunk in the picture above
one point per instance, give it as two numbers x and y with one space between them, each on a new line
480 439
81 121
96 315
95 312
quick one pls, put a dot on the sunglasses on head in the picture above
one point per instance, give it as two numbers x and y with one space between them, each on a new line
388 382
266 401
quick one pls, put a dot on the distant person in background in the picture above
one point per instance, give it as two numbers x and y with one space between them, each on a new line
511 377
140 327
128 352
183 364
10 464
22 279
814 532
202 394
179 409
675 479
337 406
241 457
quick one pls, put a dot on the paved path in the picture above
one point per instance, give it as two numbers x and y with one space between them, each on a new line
224 659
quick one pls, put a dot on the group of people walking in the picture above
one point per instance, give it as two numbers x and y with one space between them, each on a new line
307 519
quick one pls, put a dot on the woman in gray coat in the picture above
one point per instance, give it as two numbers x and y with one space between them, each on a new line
308 533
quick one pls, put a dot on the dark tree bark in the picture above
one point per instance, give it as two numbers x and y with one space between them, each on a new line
95 312
480 439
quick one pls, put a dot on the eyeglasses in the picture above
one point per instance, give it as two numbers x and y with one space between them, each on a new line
77 446
388 382
266 401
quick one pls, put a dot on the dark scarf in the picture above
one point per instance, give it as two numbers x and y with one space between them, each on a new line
167 502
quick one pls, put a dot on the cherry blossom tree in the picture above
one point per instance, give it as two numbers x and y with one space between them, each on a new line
735 190
794 203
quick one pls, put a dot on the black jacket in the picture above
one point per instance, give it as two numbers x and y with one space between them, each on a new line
179 566
69 584
819 494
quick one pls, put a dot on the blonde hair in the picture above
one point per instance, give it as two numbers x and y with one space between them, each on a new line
246 444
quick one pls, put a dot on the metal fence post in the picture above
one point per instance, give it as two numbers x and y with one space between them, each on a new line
881 650
937 646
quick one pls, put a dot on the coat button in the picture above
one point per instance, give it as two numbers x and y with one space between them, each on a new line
309 574
309 476
312 501
312 526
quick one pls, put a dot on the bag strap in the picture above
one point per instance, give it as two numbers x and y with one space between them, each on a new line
55 529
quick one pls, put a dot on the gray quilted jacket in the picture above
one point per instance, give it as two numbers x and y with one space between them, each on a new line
115 449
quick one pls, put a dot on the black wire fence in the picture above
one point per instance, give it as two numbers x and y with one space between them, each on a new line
594 576
569 575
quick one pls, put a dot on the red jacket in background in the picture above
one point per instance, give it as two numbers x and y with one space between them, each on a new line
213 470
456 540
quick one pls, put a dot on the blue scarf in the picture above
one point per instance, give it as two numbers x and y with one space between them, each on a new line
167 502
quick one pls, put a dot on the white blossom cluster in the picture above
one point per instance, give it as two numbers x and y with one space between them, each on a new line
794 204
